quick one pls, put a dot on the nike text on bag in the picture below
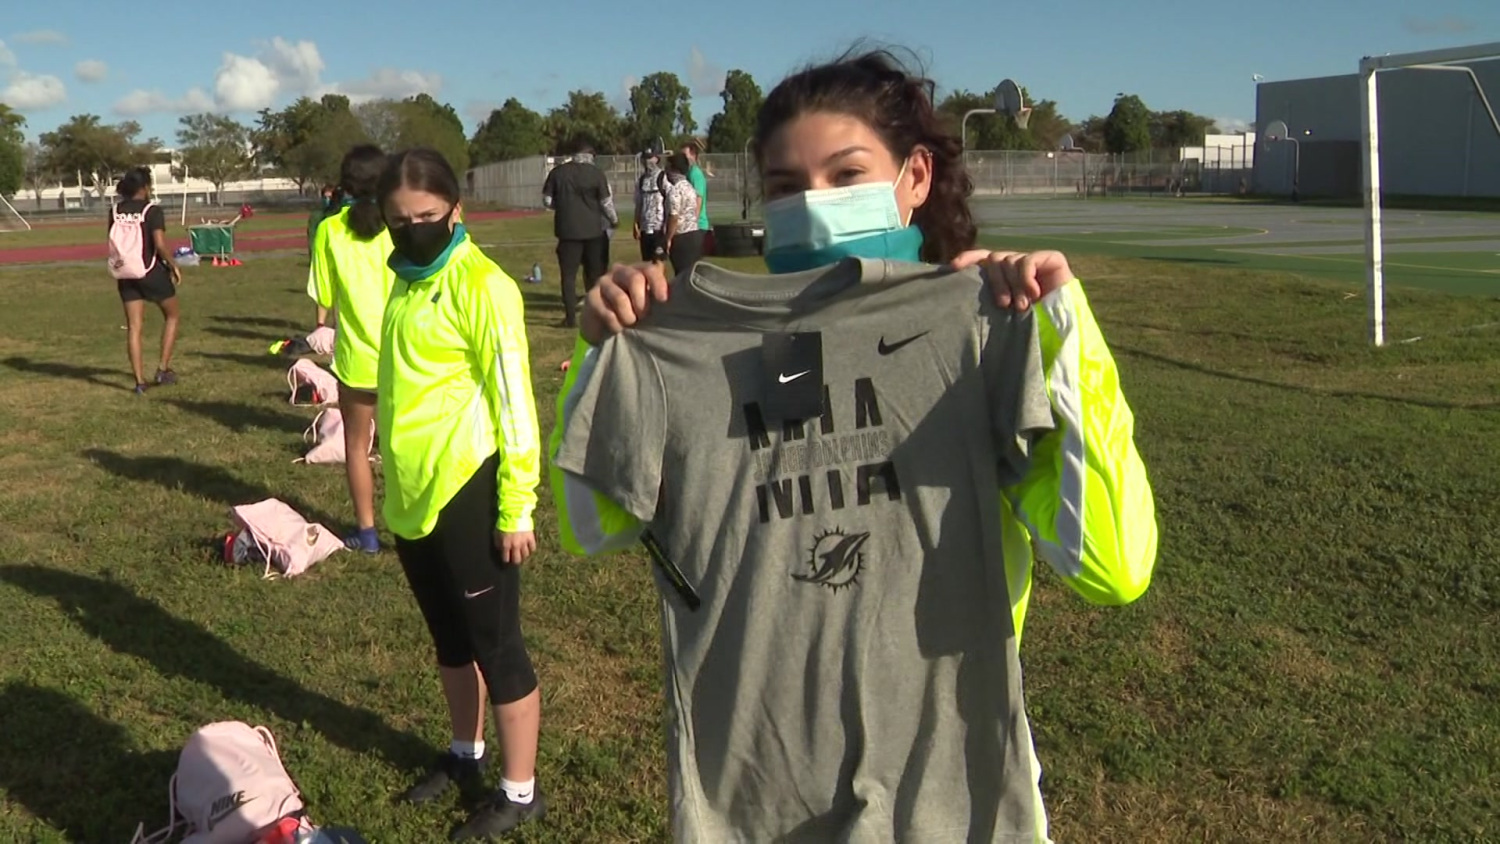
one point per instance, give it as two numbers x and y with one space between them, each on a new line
272 533
311 384
230 788
326 436
127 243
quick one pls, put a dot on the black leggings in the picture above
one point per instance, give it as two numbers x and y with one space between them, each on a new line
592 256
469 597
687 250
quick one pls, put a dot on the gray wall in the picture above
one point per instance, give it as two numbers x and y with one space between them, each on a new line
1435 138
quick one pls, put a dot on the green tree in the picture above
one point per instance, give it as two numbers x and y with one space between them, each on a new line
985 131
37 176
86 145
425 122
1177 129
587 117
660 107
1089 135
12 150
733 126
1128 126
306 141
279 132
216 147
381 122
511 131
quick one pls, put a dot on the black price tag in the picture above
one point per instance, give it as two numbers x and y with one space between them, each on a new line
793 370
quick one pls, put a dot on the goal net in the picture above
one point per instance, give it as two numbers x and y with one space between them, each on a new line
11 219
1457 62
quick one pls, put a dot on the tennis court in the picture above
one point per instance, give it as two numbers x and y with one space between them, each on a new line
1447 251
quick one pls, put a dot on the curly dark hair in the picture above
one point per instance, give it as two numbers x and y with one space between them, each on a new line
876 87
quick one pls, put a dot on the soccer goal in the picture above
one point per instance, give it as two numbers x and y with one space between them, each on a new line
1451 60
11 219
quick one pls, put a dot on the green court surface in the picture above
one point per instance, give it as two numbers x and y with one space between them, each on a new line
1444 251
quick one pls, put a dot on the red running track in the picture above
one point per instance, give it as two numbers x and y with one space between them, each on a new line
276 240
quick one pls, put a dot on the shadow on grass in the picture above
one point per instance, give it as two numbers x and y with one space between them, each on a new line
52 369
240 418
130 624
75 771
211 482
268 361
261 322
1298 388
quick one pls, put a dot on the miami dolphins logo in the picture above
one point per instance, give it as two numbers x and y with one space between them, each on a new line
836 559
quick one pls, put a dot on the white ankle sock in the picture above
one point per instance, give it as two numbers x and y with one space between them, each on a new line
520 793
467 749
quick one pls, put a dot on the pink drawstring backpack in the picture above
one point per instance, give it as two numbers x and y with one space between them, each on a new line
326 436
272 533
311 384
230 788
127 244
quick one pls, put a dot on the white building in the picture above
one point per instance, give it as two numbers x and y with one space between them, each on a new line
167 181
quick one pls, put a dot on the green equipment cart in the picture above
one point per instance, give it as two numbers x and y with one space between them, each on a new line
212 241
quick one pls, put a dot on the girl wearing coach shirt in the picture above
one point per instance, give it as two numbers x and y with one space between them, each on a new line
863 121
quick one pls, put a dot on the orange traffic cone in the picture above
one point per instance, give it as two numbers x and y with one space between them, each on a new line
236 262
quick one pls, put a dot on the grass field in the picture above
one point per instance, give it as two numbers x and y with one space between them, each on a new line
1317 660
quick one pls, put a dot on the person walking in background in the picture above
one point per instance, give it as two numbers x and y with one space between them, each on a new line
692 149
650 208
577 191
462 458
611 224
144 271
681 205
349 278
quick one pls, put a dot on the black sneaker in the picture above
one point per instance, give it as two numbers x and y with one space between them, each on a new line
499 816
450 770
140 389
165 377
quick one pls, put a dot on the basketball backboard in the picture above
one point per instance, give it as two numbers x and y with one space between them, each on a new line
1009 101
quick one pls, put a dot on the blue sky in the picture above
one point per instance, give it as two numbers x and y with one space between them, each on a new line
154 60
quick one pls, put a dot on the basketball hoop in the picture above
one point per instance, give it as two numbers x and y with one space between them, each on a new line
1009 100
1275 131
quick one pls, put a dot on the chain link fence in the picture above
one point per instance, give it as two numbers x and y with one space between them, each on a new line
733 182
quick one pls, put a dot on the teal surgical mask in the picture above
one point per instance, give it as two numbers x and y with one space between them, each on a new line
820 227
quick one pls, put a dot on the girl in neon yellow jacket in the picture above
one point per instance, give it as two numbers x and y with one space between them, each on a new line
349 279
1085 505
462 457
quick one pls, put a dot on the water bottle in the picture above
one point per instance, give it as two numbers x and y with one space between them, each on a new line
536 274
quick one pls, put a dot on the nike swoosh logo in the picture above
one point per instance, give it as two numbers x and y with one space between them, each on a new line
468 594
787 379
892 348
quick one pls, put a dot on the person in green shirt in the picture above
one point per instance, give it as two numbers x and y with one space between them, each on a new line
350 280
699 181
462 460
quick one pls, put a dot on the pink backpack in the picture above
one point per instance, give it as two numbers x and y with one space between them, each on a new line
272 533
311 384
326 436
127 243
230 788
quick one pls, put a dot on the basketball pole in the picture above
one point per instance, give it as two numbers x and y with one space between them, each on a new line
1369 108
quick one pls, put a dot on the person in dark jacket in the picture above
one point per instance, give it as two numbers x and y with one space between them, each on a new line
578 194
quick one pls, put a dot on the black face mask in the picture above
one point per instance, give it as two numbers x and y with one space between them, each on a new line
422 243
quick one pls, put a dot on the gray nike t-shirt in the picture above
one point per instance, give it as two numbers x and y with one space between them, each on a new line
852 673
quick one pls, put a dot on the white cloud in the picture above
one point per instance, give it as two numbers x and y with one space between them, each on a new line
91 70
33 91
140 102
298 67
7 58
623 103
1231 125
42 36
705 78
389 82
245 84
479 110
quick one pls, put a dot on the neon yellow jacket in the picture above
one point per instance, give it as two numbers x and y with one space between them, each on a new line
349 276
455 388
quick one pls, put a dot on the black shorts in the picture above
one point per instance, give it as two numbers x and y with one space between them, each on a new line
156 287
469 597
653 246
